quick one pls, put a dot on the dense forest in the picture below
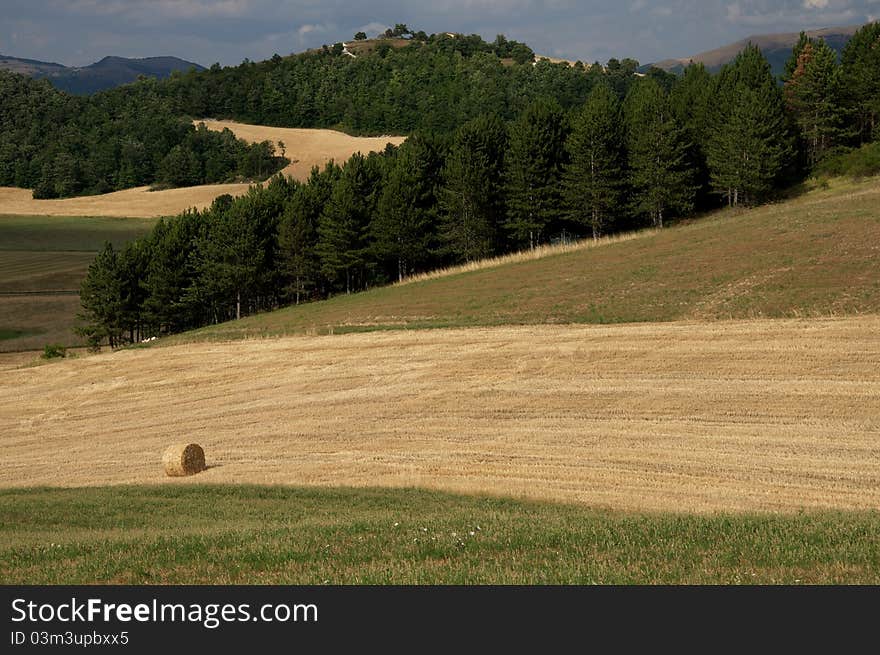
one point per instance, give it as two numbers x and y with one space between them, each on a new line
61 145
619 152
433 83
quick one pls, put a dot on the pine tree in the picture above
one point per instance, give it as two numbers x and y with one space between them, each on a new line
101 300
472 194
812 94
748 146
132 261
534 162
170 273
343 228
860 72
298 231
660 173
794 60
404 224
234 257
594 178
691 99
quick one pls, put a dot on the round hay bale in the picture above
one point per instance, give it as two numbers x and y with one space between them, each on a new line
184 459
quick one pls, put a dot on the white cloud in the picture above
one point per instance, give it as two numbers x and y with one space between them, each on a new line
311 29
374 28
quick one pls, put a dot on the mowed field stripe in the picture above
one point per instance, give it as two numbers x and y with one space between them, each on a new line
749 416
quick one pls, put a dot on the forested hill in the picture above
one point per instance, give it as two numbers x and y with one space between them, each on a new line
140 133
410 82
108 73
435 83
62 145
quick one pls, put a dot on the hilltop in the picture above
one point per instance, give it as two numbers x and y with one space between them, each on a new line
107 73
776 48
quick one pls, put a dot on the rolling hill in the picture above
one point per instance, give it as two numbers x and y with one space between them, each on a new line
776 47
692 449
108 73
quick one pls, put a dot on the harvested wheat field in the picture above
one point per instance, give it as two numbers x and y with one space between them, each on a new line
306 148
139 202
699 417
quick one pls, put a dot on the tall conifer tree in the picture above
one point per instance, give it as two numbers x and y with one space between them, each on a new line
812 94
534 164
748 146
343 228
660 173
472 193
404 223
101 299
298 231
860 72
594 177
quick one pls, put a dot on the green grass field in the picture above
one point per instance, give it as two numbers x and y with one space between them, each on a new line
254 535
43 259
815 255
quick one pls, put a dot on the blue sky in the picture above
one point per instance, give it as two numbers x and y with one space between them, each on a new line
78 32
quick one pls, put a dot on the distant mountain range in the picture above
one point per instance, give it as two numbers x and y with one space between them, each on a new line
105 74
776 47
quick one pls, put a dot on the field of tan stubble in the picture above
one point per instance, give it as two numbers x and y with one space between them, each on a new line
773 415
305 147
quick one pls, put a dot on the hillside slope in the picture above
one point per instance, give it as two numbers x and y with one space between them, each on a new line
817 254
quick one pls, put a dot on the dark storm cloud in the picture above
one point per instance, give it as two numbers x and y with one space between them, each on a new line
78 32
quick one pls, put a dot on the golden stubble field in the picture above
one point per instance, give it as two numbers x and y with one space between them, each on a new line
694 417
304 147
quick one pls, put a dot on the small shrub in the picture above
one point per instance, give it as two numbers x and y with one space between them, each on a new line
53 351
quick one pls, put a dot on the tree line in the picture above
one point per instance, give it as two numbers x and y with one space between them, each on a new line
61 145
654 150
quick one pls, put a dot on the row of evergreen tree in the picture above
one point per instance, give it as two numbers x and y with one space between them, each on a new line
659 152
61 145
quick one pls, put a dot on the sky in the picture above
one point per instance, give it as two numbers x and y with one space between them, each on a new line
79 32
